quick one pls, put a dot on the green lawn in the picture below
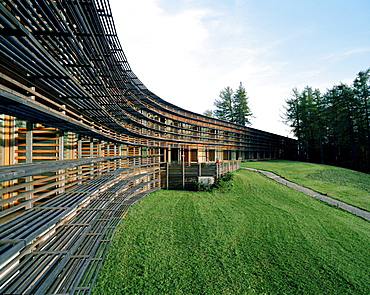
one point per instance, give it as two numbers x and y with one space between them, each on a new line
342 184
259 237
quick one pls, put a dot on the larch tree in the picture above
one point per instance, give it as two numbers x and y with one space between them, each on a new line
241 109
224 105
333 127
233 106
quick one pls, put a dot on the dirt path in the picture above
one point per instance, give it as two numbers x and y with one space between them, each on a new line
353 209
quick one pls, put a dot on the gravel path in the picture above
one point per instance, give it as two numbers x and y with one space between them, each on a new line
353 209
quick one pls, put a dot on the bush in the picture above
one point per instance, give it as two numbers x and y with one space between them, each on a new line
228 176
223 182
203 187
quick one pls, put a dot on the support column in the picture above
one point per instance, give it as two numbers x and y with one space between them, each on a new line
92 165
79 147
91 147
79 155
61 158
29 160
9 140
100 165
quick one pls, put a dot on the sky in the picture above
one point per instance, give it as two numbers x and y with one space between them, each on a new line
187 51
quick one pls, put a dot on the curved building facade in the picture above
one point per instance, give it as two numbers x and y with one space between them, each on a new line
82 138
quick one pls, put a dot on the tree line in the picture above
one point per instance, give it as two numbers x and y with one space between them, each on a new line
232 106
333 127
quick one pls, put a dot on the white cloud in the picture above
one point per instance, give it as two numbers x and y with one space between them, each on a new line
161 48
344 54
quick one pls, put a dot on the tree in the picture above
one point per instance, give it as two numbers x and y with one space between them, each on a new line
304 113
224 105
293 116
233 106
241 109
334 127
208 113
361 87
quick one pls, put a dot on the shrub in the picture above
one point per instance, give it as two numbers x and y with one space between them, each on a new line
203 187
224 182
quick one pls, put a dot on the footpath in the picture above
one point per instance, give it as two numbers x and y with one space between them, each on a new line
353 209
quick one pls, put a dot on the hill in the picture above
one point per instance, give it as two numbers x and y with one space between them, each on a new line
259 237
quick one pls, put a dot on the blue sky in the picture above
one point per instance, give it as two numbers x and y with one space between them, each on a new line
187 51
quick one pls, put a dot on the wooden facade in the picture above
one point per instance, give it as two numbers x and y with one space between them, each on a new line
81 139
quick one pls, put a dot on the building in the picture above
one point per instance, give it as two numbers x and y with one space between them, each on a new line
78 128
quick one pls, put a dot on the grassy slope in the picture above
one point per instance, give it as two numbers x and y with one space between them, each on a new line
258 238
343 184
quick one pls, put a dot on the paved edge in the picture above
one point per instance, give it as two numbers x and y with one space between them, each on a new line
350 208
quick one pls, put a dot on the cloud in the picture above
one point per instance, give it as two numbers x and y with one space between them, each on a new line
337 56
161 48
189 57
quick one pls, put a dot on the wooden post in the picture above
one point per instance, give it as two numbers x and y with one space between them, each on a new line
167 175
79 155
29 159
79 147
60 158
183 168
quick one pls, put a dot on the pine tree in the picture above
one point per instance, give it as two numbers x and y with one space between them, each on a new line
292 117
224 105
233 106
208 113
361 87
333 128
241 109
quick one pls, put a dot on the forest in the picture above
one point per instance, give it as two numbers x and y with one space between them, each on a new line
333 127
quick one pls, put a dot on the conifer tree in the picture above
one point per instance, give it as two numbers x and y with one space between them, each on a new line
208 113
241 108
224 105
233 106
334 127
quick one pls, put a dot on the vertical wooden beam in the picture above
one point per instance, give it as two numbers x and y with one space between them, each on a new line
167 175
29 160
99 149
61 145
99 152
79 147
79 155
61 158
8 140
8 151
91 147
29 142
91 156
183 167
140 151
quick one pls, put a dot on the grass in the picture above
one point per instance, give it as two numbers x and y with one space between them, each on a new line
342 184
259 237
